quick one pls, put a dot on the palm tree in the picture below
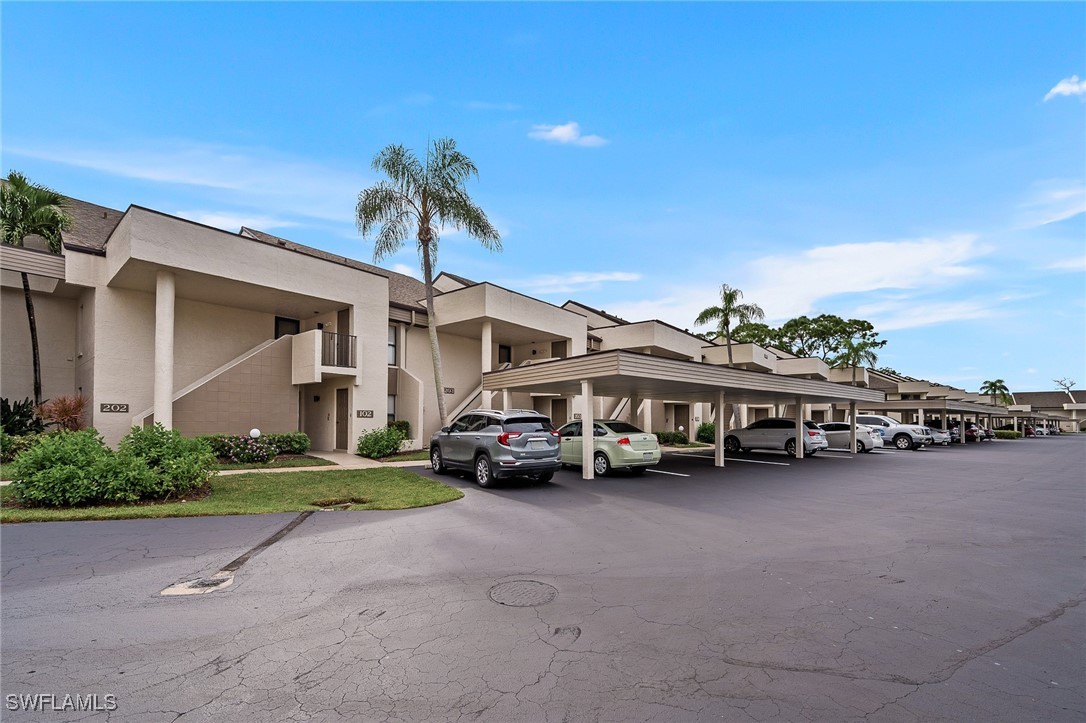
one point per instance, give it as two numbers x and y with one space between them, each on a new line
423 197
30 209
996 388
729 309
855 353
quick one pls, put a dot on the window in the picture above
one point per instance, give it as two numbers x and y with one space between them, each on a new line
392 337
392 407
573 430
461 425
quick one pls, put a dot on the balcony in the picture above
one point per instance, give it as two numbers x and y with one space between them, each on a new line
337 350
319 354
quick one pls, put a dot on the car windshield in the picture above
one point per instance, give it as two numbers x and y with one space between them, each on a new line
622 428
527 424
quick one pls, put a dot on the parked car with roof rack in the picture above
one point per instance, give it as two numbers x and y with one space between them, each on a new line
497 444
902 436
775 433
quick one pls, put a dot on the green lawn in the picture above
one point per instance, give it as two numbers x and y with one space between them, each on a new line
688 445
249 494
278 462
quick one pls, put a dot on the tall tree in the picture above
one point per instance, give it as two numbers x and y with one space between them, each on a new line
754 332
30 209
857 352
729 309
423 197
996 388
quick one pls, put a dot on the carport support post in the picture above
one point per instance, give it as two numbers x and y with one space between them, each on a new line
801 431
165 292
588 423
718 456
852 427
487 361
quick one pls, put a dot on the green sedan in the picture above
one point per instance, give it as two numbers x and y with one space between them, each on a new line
617 444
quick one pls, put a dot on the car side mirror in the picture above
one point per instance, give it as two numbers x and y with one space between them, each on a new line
446 430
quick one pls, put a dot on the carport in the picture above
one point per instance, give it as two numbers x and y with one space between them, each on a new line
942 407
622 373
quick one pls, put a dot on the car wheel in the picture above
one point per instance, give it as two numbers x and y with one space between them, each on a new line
790 447
810 453
637 471
436 462
903 441
484 475
601 465
860 447
731 444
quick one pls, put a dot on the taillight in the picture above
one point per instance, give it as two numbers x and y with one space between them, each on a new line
554 433
812 433
504 437
624 440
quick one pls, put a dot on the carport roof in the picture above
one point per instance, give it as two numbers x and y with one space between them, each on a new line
938 405
621 373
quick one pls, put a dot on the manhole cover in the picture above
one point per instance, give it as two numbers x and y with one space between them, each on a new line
523 593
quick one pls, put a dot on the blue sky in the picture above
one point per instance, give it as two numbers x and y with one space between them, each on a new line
922 166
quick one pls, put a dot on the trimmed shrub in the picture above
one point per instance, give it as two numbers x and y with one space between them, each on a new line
1007 434
245 449
706 432
288 443
672 437
403 425
20 418
11 446
380 442
179 465
65 411
60 469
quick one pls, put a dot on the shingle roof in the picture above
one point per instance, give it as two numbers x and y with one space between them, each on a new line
93 225
403 290
461 279
604 314
1044 400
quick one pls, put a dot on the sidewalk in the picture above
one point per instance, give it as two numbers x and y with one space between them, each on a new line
339 460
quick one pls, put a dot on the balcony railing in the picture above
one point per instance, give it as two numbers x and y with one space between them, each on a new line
337 350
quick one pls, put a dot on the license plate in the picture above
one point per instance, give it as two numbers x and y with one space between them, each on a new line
537 444
648 456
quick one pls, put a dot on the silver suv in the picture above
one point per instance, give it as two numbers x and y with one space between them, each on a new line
494 444
902 436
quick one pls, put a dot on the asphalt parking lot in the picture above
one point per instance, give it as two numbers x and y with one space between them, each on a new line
943 584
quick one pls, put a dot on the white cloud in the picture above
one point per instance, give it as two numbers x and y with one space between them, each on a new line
1075 263
571 283
251 177
912 314
1067 86
568 133
234 221
1031 370
789 285
406 270
1052 201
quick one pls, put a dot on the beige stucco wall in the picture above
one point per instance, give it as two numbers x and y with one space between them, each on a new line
56 321
461 366
255 393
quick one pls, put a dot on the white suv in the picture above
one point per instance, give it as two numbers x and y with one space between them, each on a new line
775 433
902 436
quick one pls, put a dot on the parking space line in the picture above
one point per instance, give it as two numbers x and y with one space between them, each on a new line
757 461
674 474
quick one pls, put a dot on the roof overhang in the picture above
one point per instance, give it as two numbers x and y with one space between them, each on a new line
621 373
937 405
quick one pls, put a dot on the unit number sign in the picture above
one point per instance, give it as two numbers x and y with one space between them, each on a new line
105 408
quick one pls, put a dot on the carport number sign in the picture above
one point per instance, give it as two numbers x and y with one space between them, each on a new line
113 407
